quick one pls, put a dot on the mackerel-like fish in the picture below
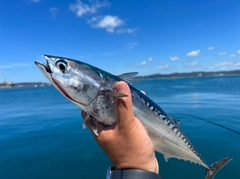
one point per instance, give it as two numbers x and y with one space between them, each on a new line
91 89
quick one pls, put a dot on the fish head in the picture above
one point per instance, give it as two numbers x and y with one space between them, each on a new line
74 79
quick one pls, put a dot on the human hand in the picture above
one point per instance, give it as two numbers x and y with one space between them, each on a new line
126 143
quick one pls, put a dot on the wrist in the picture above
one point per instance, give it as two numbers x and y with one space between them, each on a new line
113 173
150 165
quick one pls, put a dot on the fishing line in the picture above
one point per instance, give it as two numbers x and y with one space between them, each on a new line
214 123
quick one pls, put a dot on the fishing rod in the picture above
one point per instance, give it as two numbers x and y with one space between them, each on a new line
208 121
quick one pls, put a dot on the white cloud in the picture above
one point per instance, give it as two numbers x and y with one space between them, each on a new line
225 63
232 55
193 53
210 48
222 53
211 67
15 65
238 51
150 59
36 0
145 62
131 45
53 11
127 30
81 9
228 65
109 53
193 64
110 23
107 22
174 58
164 66
142 63
6 66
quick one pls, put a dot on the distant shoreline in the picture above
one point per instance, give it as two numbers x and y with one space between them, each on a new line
175 77
138 78
199 74
23 85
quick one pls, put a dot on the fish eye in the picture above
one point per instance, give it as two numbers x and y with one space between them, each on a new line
62 65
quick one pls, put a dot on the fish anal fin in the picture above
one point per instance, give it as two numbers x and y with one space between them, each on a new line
128 77
166 158
215 167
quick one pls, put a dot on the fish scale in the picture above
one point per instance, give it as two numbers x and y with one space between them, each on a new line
171 123
95 94
165 122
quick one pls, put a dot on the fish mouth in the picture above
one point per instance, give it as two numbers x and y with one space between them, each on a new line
43 67
46 70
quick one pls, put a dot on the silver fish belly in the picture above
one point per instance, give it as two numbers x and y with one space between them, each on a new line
91 89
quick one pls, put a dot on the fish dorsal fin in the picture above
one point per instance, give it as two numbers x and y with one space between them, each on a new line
128 77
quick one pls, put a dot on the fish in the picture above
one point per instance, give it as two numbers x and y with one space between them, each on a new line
92 90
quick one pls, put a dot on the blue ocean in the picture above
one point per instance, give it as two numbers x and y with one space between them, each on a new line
41 133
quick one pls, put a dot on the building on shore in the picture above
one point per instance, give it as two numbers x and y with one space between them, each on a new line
6 85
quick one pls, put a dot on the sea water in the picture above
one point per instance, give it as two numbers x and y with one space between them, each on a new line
41 133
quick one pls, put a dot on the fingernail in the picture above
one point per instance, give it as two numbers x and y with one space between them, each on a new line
120 86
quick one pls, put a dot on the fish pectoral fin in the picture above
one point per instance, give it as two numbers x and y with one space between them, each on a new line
113 95
94 124
166 158
85 121
128 77
116 95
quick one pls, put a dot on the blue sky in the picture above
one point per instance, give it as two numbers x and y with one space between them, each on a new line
147 36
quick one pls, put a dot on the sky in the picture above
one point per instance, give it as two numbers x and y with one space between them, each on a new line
119 36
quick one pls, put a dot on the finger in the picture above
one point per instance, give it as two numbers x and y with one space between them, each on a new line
100 126
123 106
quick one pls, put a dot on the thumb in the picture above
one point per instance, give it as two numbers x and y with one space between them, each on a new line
124 108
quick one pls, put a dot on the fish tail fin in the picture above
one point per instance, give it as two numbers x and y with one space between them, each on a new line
215 167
